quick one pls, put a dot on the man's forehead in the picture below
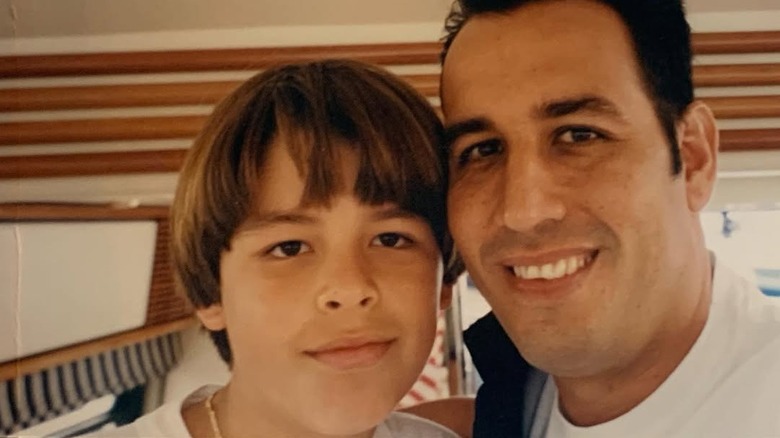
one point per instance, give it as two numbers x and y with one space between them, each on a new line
541 27
502 57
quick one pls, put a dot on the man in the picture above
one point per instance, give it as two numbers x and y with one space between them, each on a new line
578 163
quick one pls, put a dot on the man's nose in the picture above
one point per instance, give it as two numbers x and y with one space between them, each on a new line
348 284
530 195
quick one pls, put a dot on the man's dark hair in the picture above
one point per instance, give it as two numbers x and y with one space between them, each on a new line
661 40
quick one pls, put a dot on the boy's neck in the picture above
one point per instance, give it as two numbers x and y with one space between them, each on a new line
237 416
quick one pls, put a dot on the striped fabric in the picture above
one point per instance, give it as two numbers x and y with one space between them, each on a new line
34 398
433 382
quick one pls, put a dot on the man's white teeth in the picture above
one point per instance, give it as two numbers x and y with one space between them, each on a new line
552 271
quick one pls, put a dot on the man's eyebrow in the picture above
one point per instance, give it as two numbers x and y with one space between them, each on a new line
580 104
456 130
277 217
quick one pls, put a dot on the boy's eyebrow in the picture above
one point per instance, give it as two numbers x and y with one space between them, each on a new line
275 217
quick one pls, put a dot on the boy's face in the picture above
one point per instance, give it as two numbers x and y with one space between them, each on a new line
331 311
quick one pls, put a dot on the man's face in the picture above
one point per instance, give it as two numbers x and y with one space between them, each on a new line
331 310
562 202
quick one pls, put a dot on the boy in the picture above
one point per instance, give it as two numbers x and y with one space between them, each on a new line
308 230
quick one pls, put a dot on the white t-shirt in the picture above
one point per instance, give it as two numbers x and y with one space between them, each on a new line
166 422
727 386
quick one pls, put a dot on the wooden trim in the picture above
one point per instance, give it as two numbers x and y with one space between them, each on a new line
66 212
107 163
165 304
41 166
736 75
736 42
187 127
210 60
146 95
42 361
260 58
744 107
96 130
211 92
115 96
749 139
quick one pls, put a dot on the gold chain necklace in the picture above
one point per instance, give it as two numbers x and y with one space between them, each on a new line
213 416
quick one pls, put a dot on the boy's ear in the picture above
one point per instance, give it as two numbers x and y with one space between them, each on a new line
699 142
445 299
212 317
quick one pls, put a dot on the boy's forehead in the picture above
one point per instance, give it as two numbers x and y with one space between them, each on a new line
312 214
287 169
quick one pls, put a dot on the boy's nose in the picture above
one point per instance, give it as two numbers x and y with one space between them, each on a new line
348 287
338 301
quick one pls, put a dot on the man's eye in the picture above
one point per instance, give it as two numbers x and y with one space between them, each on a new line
290 248
479 150
578 135
391 240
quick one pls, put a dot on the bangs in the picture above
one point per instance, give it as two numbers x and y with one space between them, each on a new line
393 132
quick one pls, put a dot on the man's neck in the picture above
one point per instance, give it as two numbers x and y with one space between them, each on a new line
598 399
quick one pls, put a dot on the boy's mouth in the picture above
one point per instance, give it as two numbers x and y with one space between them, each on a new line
348 354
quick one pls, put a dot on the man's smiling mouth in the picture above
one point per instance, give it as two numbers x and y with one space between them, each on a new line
555 269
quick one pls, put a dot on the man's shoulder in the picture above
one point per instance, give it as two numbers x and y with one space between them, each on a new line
739 300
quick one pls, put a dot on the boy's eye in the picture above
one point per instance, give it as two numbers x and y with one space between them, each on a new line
291 248
479 150
578 134
391 240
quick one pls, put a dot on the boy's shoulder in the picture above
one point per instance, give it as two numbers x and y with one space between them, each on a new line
165 421
404 425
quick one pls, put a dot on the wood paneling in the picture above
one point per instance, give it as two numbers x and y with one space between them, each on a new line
95 130
736 42
171 160
210 60
736 75
39 362
744 107
165 304
187 127
49 212
115 96
749 139
259 58
107 163
209 93
146 95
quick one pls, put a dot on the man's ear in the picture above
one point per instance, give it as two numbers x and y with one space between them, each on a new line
445 299
212 317
699 141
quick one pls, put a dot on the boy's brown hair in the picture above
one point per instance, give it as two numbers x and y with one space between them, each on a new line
314 107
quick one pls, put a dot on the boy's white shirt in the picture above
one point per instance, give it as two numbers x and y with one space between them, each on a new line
167 422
